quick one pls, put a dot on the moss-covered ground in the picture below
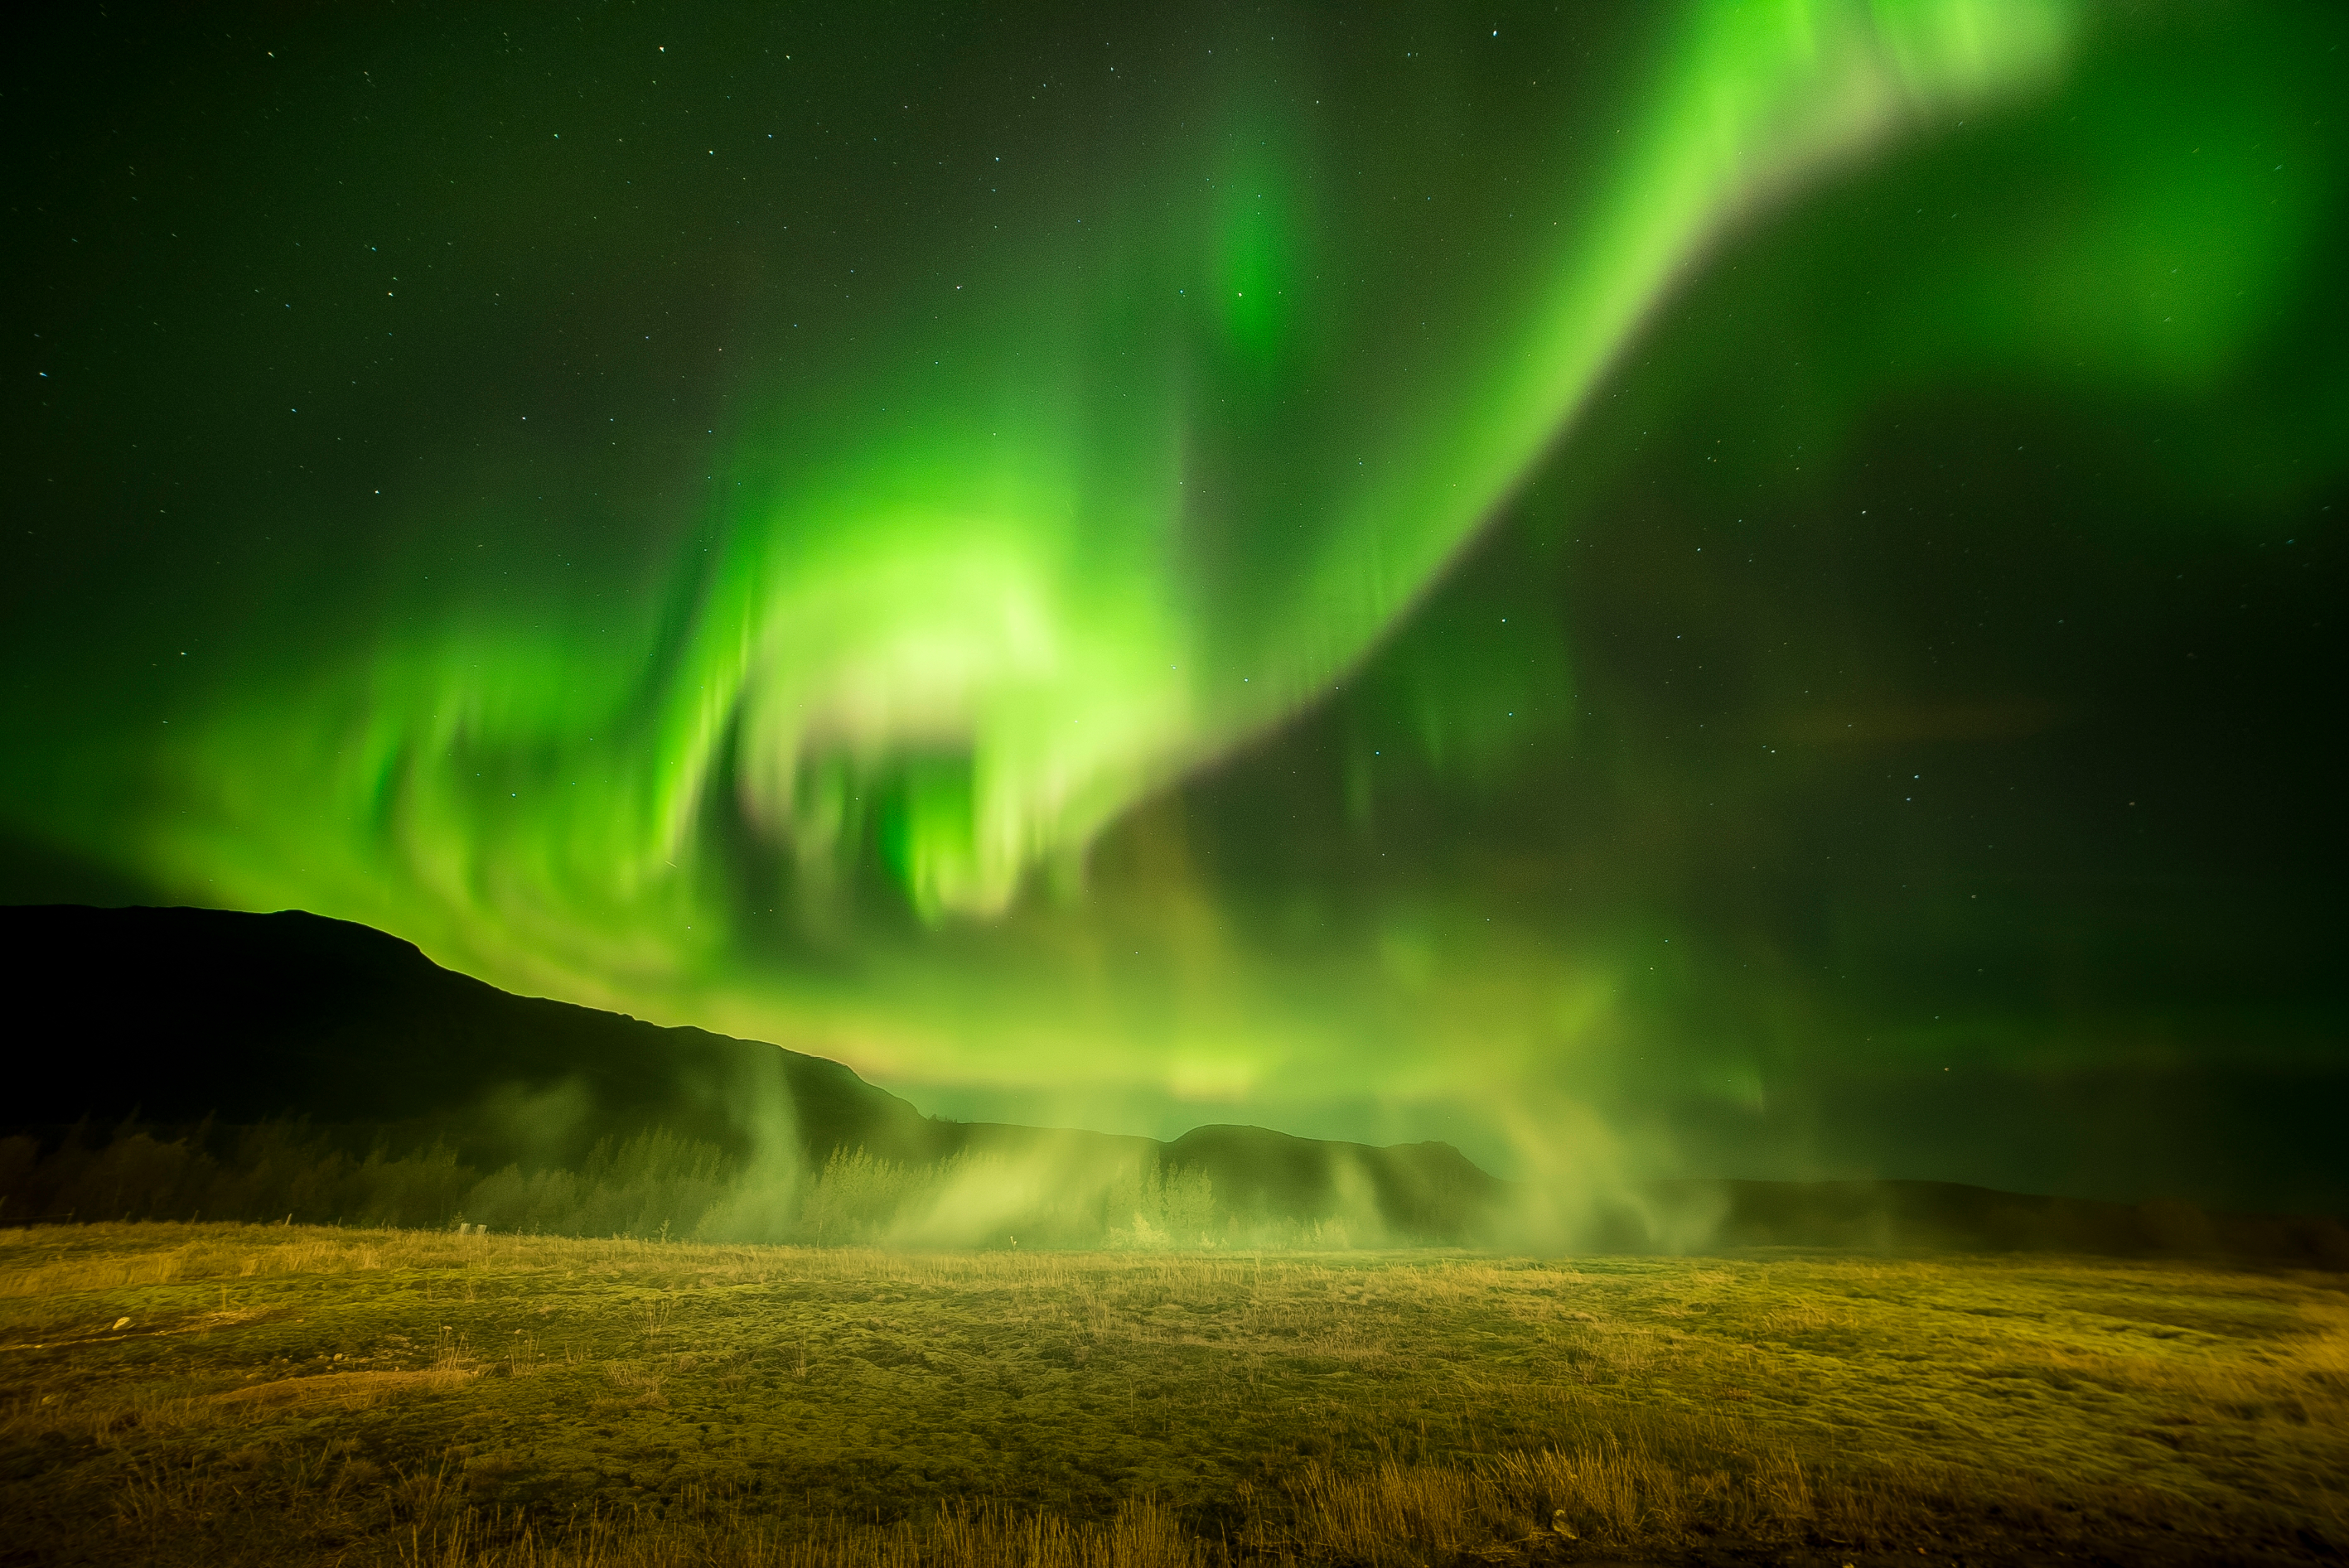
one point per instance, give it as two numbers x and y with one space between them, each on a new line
226 1394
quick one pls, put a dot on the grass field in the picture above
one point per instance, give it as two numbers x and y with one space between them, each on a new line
233 1394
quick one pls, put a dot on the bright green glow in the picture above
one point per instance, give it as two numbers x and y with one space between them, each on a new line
1143 473
981 623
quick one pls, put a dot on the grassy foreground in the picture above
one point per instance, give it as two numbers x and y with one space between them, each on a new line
233 1394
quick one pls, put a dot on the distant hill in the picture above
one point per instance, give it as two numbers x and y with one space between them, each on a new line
267 1038
1926 1217
1419 1189
176 1015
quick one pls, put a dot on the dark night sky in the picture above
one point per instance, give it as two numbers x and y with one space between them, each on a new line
1752 592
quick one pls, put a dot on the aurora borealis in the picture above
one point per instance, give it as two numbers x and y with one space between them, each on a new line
1729 588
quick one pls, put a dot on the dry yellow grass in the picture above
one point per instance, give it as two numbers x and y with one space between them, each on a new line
1141 1534
351 1390
285 1394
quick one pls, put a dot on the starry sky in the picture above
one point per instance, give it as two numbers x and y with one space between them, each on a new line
1718 589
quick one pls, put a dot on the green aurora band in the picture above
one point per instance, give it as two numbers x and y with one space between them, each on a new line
1155 441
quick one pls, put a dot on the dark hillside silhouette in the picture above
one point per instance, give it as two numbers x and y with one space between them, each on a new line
269 1055
182 1017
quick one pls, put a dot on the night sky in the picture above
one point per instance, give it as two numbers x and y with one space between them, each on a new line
1719 590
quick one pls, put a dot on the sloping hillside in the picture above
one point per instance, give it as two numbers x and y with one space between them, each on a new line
179 1016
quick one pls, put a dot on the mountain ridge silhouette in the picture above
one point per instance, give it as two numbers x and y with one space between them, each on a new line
182 1017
